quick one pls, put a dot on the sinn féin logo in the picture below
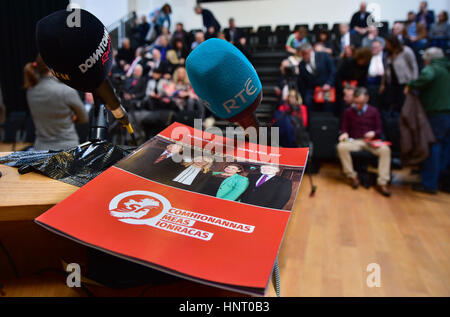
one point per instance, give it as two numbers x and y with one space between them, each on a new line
151 209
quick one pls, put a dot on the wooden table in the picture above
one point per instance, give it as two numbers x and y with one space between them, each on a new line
33 249
24 197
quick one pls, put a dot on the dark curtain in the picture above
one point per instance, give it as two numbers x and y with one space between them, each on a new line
18 20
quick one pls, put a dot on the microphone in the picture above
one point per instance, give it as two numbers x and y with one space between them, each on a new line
80 56
225 81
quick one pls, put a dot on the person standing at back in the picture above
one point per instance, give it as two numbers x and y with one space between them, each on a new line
434 95
209 20
55 108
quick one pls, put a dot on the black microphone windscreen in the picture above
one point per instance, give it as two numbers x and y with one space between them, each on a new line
79 54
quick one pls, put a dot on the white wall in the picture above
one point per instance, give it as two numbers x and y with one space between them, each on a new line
257 12
182 11
107 11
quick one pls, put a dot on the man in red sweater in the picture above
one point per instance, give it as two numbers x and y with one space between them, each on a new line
361 124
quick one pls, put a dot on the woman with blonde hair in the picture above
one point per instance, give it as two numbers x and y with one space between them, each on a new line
183 95
54 108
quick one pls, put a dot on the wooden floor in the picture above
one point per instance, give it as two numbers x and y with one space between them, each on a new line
332 238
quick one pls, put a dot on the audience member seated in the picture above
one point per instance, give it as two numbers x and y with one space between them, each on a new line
316 70
199 39
348 96
157 87
162 44
181 51
292 120
232 34
345 39
288 81
399 31
434 94
440 31
181 93
179 35
221 36
361 124
158 62
211 32
349 52
142 30
125 54
296 39
157 111
416 33
117 69
242 46
294 60
173 61
139 59
324 39
358 23
425 16
135 86
376 73
401 67
372 35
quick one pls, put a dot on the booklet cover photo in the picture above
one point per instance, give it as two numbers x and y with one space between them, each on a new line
179 205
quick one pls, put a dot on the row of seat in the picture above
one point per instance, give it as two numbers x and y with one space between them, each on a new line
286 29
266 37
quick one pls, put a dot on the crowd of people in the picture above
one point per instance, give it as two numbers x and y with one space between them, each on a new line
357 74
149 68
363 77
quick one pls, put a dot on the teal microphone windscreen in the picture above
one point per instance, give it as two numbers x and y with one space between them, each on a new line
223 78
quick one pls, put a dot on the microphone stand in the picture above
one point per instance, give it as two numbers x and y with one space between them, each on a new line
99 121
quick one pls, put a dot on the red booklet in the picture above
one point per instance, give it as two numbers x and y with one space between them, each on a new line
378 143
191 204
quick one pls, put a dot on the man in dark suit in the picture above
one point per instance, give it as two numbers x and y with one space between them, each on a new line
209 20
267 189
232 33
135 86
345 38
154 164
315 70
359 20
425 16
180 34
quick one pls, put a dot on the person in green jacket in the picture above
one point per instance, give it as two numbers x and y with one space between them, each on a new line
228 184
434 93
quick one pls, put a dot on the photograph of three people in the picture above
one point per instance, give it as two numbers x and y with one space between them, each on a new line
255 183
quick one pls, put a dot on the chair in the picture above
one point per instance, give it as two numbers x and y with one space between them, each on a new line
282 33
298 26
384 29
324 132
361 162
319 27
191 36
246 31
335 30
264 36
